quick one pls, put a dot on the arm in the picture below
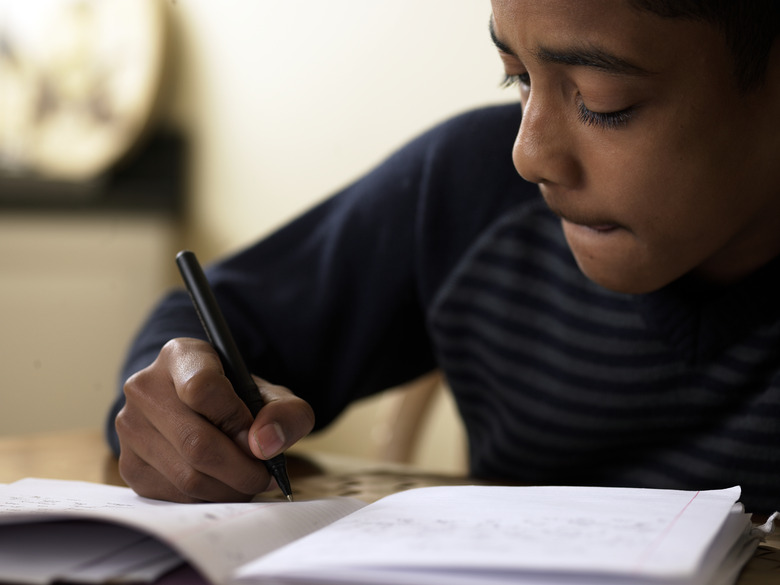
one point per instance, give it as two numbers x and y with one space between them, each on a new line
333 305
327 306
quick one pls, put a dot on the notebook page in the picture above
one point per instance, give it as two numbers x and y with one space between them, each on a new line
44 553
215 538
732 549
461 529
143 562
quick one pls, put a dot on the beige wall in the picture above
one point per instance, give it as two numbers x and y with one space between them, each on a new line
72 291
283 103
288 101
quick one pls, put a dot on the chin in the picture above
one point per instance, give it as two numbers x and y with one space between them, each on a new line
632 281
613 259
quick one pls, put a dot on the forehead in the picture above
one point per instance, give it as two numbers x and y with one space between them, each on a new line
613 25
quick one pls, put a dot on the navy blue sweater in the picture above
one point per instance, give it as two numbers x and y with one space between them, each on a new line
443 257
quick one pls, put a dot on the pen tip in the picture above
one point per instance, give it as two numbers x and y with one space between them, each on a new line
289 498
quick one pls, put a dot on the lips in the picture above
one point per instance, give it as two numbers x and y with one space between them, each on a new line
601 228
598 224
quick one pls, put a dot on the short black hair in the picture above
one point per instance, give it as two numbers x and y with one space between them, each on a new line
750 28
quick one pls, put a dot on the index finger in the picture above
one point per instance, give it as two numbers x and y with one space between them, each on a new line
200 382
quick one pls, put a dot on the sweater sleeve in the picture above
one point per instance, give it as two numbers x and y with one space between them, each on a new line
327 306
333 305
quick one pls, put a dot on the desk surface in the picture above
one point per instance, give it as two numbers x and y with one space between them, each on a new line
83 455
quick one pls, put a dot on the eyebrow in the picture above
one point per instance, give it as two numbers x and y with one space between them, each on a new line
584 56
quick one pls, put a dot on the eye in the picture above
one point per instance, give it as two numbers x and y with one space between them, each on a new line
521 79
607 120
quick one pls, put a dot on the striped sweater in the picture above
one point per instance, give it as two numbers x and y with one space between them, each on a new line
443 257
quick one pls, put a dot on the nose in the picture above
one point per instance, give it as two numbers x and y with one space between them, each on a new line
544 150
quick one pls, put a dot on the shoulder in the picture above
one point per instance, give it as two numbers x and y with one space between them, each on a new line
476 143
468 184
484 131
469 170
485 121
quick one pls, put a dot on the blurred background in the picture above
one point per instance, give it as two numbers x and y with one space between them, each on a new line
132 128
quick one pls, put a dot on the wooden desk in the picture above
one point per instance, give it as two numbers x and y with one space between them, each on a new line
83 455
80 455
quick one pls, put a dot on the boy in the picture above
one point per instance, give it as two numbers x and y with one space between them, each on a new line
620 329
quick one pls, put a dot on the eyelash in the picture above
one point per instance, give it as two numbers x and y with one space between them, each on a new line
517 79
607 120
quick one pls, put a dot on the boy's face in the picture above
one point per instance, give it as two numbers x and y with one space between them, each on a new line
642 142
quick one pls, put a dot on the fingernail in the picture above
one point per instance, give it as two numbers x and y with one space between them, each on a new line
242 440
270 439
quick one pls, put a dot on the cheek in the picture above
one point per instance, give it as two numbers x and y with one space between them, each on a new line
655 194
622 175
654 181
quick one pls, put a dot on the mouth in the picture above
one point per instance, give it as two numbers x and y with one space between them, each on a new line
600 228
594 224
590 222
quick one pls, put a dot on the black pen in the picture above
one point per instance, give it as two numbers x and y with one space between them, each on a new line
221 339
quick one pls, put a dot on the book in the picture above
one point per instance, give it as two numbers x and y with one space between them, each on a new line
66 531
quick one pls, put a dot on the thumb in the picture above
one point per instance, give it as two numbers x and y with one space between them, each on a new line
284 420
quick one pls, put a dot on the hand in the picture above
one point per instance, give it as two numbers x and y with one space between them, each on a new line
186 437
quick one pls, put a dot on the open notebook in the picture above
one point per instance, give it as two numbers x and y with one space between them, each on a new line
53 530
